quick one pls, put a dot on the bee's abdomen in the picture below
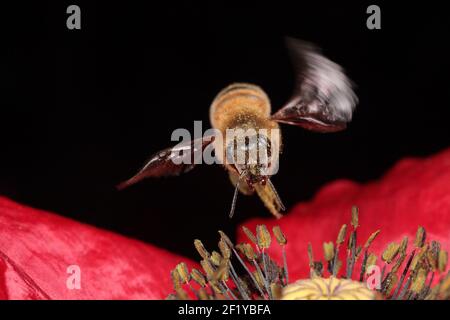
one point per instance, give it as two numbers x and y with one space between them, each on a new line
239 103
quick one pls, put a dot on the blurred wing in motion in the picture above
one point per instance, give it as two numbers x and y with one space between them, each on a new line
171 161
323 98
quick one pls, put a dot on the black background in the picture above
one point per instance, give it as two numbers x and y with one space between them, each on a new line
80 110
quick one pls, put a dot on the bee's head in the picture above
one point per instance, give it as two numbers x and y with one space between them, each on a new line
250 156
254 178
255 173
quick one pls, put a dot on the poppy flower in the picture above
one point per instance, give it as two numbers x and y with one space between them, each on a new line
414 193
296 257
329 247
42 254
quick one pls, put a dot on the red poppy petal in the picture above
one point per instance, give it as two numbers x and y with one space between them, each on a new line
413 193
36 249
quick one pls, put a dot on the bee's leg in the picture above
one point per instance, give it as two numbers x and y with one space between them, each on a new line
243 186
270 198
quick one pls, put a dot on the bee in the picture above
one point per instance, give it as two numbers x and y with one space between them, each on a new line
322 101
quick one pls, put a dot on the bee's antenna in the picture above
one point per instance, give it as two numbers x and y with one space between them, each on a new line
280 203
236 191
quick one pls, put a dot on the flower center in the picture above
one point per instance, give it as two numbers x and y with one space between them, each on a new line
331 288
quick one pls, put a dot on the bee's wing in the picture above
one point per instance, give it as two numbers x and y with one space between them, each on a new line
323 98
171 161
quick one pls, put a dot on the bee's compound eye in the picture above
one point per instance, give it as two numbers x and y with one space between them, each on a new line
230 153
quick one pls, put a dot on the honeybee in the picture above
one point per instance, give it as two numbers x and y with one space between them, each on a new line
323 101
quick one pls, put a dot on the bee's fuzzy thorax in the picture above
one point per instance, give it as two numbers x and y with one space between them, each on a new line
239 103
